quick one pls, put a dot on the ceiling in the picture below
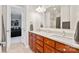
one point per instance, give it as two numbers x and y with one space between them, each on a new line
48 7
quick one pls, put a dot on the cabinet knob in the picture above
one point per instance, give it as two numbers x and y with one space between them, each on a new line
64 49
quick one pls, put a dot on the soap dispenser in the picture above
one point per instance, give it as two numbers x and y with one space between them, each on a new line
41 25
31 27
76 35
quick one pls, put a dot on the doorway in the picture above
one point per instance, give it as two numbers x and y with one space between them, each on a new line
16 22
14 17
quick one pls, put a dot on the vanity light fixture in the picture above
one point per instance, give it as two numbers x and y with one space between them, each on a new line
40 9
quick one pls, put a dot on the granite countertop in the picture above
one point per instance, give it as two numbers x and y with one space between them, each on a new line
62 39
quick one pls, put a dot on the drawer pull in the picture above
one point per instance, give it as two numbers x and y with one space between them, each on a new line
64 49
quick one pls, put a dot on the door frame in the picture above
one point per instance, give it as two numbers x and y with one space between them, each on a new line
7 21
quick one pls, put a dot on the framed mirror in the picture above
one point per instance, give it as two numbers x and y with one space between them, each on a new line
66 25
57 17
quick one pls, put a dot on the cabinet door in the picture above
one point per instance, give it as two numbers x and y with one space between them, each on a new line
39 42
39 48
61 47
73 50
33 47
33 42
48 49
56 51
39 37
49 42
65 48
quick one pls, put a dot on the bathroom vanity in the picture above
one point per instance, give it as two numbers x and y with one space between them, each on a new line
40 42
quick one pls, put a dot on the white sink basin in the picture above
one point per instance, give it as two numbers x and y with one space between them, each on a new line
56 35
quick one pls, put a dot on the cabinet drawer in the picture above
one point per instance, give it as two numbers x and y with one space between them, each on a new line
39 37
39 42
72 50
39 48
65 48
48 49
49 42
56 51
61 47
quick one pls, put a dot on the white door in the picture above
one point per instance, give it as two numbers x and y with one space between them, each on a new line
7 13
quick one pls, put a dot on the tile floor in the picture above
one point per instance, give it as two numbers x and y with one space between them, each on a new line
19 48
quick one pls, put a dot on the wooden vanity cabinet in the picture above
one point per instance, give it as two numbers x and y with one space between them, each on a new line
72 50
49 45
61 47
33 47
36 42
38 37
56 51
40 44
48 49
32 41
39 48
49 42
65 48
